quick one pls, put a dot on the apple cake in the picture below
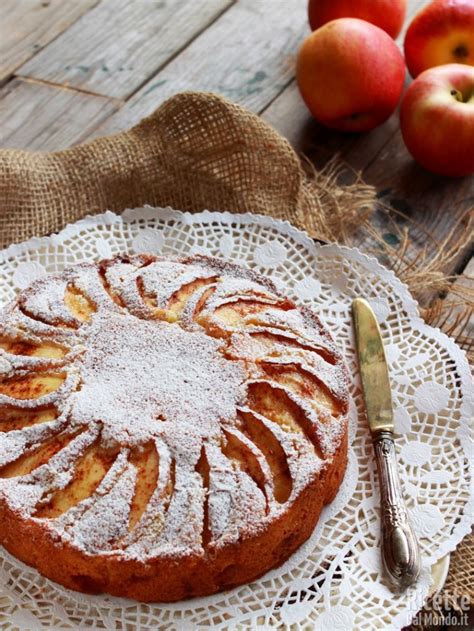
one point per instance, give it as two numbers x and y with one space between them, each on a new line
168 427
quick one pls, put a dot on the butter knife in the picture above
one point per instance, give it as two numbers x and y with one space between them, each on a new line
400 551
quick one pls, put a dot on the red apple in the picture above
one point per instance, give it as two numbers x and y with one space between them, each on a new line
350 74
437 119
386 14
443 33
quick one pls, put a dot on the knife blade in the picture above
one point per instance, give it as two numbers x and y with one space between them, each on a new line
373 368
400 550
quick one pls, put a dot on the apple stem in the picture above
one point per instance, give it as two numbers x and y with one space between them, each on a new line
458 95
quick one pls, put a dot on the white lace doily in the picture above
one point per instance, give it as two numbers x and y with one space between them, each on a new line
334 581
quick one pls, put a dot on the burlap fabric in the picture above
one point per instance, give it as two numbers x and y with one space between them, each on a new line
197 151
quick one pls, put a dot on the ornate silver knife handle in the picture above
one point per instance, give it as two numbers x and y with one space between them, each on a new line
400 552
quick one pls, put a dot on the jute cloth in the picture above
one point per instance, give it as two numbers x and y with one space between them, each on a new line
197 151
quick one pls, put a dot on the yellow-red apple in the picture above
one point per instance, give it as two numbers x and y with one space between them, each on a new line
386 14
442 33
350 74
437 119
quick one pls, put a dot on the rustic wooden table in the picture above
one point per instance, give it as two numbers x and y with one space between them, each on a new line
74 69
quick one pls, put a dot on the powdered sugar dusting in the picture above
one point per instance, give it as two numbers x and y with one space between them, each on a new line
139 374
94 531
178 377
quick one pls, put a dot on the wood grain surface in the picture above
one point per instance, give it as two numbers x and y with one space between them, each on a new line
26 26
247 55
38 116
118 45
89 67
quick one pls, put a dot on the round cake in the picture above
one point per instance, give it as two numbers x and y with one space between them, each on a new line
168 427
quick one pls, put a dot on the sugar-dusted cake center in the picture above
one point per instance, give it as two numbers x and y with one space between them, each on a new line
137 374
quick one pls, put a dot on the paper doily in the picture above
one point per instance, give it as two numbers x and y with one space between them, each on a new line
334 581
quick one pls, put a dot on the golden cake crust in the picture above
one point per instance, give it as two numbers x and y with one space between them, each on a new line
168 428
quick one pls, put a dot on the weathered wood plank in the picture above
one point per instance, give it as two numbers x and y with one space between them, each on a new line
118 45
432 208
437 203
28 25
247 55
289 115
41 117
